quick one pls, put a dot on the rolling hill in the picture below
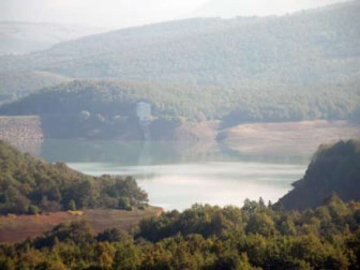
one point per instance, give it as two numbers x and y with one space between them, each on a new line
233 8
303 66
21 83
29 185
113 97
305 48
107 108
25 37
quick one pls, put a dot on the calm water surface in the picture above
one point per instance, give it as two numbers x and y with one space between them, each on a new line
177 175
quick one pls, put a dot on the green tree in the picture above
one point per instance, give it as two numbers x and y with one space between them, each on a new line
71 205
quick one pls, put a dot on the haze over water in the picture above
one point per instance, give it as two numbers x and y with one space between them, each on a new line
177 175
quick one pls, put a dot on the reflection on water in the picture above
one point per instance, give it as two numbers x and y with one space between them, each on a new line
181 185
177 175
151 153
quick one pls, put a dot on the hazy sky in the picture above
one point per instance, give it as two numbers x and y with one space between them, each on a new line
231 8
113 13
125 13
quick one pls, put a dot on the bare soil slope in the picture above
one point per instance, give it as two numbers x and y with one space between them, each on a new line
288 137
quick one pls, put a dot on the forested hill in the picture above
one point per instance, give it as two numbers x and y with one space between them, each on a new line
303 48
334 169
109 105
203 237
303 66
300 49
29 186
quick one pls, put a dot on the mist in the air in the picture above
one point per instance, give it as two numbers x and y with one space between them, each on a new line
128 13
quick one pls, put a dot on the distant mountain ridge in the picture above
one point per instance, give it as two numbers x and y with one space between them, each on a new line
233 8
304 66
25 37
301 49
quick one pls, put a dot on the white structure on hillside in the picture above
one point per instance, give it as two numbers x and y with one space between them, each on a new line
143 111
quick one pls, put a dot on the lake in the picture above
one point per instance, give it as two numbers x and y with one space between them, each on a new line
177 175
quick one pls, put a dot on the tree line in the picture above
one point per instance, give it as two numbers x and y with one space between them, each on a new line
257 236
107 108
30 186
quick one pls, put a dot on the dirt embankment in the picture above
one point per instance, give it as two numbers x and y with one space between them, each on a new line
18 228
26 133
301 137
264 137
203 131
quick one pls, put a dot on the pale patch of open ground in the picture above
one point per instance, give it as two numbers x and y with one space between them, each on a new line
300 137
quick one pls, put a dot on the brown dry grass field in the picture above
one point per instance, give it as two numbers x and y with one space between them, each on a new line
18 228
301 137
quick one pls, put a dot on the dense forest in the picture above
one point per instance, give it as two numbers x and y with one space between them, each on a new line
105 108
29 186
334 169
302 66
204 237
300 49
